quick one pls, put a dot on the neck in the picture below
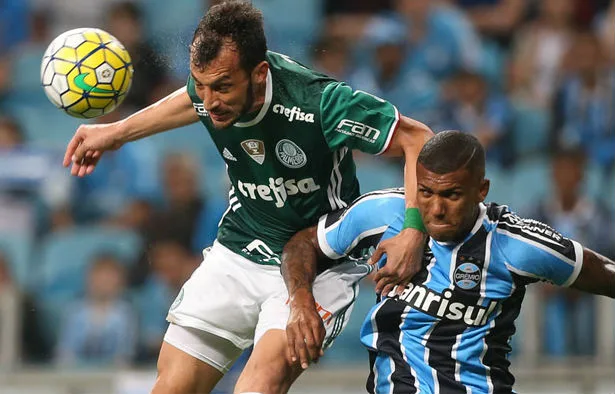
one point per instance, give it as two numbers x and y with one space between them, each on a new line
259 97
467 228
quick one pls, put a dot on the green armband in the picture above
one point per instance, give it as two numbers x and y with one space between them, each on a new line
413 220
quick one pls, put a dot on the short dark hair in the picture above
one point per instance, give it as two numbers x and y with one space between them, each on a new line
451 150
235 21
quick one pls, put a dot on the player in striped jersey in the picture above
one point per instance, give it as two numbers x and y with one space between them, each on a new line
449 330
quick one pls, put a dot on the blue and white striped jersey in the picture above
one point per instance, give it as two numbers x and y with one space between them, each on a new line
449 330
352 231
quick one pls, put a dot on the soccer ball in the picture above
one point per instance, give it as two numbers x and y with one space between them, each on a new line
86 72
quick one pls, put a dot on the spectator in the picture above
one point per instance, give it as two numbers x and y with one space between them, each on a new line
186 216
496 19
583 105
17 209
538 52
22 331
413 91
101 328
331 57
172 264
470 107
13 24
151 80
605 29
120 177
570 314
443 40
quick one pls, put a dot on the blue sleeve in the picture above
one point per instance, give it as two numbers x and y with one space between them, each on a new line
535 251
367 217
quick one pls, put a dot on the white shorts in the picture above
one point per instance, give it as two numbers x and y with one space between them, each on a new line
238 300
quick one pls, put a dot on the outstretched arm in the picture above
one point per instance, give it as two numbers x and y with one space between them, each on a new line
305 330
404 251
597 275
91 141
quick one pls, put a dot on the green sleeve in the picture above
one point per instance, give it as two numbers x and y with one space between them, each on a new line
192 90
356 119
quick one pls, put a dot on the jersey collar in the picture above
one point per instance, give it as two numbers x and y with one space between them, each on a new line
264 108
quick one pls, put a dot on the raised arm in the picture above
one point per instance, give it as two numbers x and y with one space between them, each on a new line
404 251
91 141
305 329
597 274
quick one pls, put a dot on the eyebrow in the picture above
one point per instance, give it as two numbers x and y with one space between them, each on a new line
224 78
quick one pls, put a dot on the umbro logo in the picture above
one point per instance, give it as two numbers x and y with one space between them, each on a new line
228 155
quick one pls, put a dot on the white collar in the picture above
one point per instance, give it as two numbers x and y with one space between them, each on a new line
266 104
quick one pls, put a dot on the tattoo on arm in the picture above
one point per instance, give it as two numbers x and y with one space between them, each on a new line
300 260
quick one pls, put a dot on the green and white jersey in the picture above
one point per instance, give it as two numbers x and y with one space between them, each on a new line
292 162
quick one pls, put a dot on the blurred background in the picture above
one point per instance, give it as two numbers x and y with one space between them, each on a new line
89 267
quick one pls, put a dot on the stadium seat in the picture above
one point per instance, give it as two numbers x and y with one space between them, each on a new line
531 182
501 184
17 250
291 26
45 126
530 131
65 257
375 174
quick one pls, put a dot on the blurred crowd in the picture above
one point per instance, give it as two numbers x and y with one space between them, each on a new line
93 264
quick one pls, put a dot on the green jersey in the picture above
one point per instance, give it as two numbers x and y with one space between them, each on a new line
293 161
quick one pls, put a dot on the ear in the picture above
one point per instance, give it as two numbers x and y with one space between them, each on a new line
259 73
483 190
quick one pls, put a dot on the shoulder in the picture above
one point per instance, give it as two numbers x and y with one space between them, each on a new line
288 70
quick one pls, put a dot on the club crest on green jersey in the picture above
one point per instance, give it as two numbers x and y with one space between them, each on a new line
290 154
255 149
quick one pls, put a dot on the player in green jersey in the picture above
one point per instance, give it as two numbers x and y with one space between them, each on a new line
286 134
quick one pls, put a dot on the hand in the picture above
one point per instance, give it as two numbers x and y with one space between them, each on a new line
305 331
404 257
87 146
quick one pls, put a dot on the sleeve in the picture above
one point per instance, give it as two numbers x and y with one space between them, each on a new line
364 221
191 89
535 251
356 119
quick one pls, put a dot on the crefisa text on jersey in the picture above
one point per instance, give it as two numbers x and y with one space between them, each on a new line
294 113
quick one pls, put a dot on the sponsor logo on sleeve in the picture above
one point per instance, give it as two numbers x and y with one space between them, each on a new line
358 130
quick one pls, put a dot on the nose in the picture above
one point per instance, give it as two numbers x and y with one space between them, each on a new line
210 99
438 208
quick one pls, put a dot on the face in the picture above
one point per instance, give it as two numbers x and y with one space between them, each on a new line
449 202
227 90
180 180
106 280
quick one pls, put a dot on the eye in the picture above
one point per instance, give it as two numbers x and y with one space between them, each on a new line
454 195
224 88
426 193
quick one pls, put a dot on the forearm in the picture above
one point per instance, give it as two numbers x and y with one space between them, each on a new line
300 263
171 112
597 275
411 149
